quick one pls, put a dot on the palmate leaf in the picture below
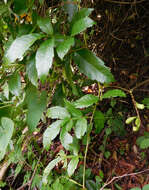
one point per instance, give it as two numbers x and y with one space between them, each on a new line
114 93
44 58
86 101
6 131
51 132
19 46
92 66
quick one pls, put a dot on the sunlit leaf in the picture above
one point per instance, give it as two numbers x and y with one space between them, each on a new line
66 138
19 46
57 112
48 169
51 132
81 127
44 58
72 165
6 131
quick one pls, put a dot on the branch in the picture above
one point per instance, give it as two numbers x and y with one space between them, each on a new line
122 176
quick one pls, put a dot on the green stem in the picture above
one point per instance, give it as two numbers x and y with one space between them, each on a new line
87 145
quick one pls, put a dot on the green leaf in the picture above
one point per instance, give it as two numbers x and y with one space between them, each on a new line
19 46
84 12
92 66
72 165
81 127
91 185
135 188
32 72
20 7
36 105
66 138
6 131
51 132
81 25
130 119
44 58
45 25
144 143
14 84
114 93
57 112
48 169
64 47
86 101
146 102
99 121
146 187
72 110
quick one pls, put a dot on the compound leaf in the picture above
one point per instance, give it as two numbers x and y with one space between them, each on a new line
72 165
81 127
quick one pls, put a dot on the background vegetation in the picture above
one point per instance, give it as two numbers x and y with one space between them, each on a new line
74 95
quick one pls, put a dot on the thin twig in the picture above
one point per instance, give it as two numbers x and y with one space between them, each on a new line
125 2
119 177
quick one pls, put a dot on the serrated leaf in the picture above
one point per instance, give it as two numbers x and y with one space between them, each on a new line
86 101
45 25
99 121
72 110
51 132
72 166
57 112
64 47
14 84
92 66
144 143
146 187
81 25
114 93
32 72
80 128
19 46
36 104
6 131
44 58
66 138
48 169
